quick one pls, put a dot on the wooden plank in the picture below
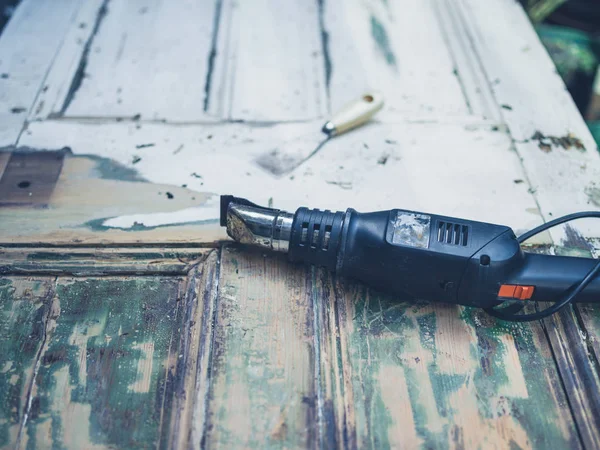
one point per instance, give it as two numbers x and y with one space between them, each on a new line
560 158
578 365
438 376
270 62
537 109
106 365
189 407
28 45
29 179
24 307
334 383
263 380
81 261
476 87
573 334
90 192
381 166
399 49
146 59
590 318
68 64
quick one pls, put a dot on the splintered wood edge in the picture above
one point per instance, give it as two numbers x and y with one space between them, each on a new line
99 261
200 292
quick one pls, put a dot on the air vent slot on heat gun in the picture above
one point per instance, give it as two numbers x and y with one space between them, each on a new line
453 233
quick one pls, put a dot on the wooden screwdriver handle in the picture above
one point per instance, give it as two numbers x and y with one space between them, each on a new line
354 114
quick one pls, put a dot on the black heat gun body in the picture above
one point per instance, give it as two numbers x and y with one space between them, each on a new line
424 255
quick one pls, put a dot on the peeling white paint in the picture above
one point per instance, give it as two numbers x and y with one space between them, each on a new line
431 167
208 211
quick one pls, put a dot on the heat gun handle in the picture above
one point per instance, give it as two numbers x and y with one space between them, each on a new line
553 276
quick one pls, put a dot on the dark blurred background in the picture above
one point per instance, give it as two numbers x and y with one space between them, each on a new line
7 7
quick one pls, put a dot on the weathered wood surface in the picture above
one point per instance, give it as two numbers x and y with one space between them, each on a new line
169 46
382 55
28 46
302 360
99 261
437 376
156 107
97 362
263 388
97 200
24 306
270 68
380 166
295 359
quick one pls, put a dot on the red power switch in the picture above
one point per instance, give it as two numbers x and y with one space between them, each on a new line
518 292
507 291
526 292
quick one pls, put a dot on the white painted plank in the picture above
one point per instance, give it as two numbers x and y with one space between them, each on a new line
149 58
535 100
446 169
398 48
27 47
269 63
67 62
472 78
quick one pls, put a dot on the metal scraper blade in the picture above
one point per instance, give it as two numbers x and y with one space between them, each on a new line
284 159
290 155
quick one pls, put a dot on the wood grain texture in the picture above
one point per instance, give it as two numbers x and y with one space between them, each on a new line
263 391
246 350
24 307
591 321
90 261
477 88
380 166
392 50
191 394
69 63
29 180
155 69
89 193
106 364
577 363
573 335
28 46
537 109
563 174
269 63
435 376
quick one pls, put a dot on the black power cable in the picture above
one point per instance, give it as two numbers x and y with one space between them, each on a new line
510 313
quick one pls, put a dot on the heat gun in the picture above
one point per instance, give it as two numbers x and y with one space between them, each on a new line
426 256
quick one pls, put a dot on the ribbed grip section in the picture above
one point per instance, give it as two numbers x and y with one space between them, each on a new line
316 237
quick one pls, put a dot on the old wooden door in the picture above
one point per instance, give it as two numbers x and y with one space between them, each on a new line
128 320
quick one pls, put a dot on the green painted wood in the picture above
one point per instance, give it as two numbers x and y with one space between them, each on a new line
100 261
572 334
107 353
578 367
24 304
436 376
272 355
196 338
263 389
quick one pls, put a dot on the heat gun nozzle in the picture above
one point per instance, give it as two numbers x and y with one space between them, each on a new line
248 223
